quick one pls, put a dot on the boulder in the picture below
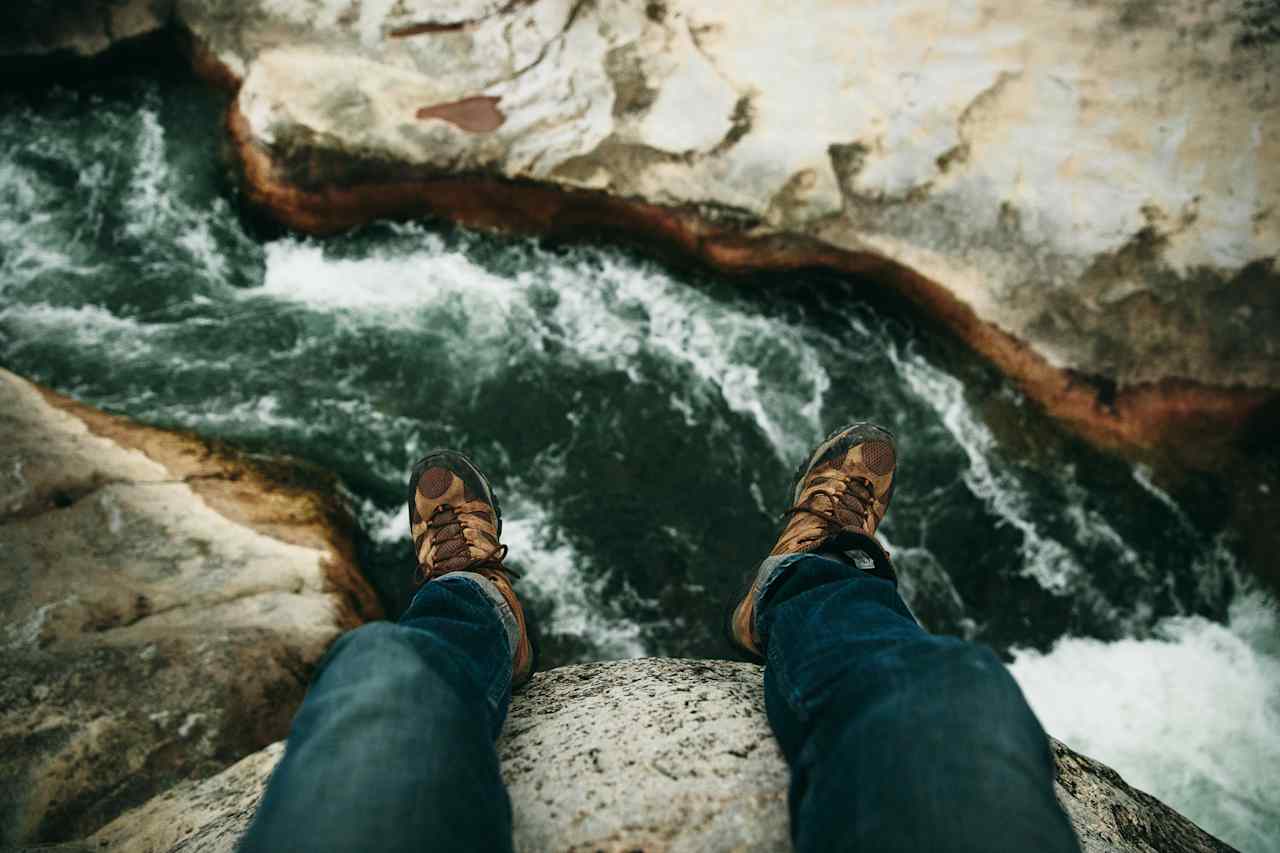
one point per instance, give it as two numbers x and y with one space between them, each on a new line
162 604
1084 192
652 754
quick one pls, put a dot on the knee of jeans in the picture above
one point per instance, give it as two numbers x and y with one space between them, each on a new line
376 646
971 687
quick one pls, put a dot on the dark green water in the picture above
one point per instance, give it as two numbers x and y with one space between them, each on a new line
639 422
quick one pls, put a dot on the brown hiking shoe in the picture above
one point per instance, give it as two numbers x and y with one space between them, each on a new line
456 522
841 493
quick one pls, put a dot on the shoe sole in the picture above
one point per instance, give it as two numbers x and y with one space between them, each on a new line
747 586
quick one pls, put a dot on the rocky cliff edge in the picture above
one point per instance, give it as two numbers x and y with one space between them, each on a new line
163 602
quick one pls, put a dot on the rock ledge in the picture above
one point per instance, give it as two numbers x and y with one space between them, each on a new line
162 604
654 754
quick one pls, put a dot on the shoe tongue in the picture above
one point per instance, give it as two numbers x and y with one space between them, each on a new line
844 550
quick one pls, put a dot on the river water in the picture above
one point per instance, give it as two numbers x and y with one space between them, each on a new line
640 423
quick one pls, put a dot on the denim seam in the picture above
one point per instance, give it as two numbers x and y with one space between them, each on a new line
775 660
775 570
502 681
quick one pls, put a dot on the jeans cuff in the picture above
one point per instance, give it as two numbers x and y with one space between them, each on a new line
855 550
497 599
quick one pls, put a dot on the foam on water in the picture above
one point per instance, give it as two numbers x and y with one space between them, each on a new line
149 201
554 573
581 305
1046 559
1142 475
87 325
32 244
386 286
1191 714
384 525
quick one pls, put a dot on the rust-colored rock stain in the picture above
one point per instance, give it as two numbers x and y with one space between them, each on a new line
474 115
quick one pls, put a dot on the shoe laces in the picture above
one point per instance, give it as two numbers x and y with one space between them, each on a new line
858 502
491 562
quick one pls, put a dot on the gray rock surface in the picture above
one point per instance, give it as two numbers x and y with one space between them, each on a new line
653 754
162 603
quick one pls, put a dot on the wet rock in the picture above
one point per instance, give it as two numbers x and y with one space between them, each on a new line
45 30
162 603
654 754
1083 193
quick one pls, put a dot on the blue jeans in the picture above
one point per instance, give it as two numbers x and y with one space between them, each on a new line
897 740
393 748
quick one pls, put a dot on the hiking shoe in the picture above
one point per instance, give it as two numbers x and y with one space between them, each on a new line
840 496
456 522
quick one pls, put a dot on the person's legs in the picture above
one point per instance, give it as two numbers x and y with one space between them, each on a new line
898 740
393 748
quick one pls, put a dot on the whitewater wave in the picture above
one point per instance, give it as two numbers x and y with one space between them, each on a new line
556 573
1190 714
585 306
85 326
1046 559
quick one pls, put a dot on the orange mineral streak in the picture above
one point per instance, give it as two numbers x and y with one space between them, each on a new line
1170 416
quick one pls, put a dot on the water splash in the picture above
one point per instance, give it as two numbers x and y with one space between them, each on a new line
1046 559
1190 714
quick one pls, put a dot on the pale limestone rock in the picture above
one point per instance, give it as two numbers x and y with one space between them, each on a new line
1096 180
161 605
653 754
